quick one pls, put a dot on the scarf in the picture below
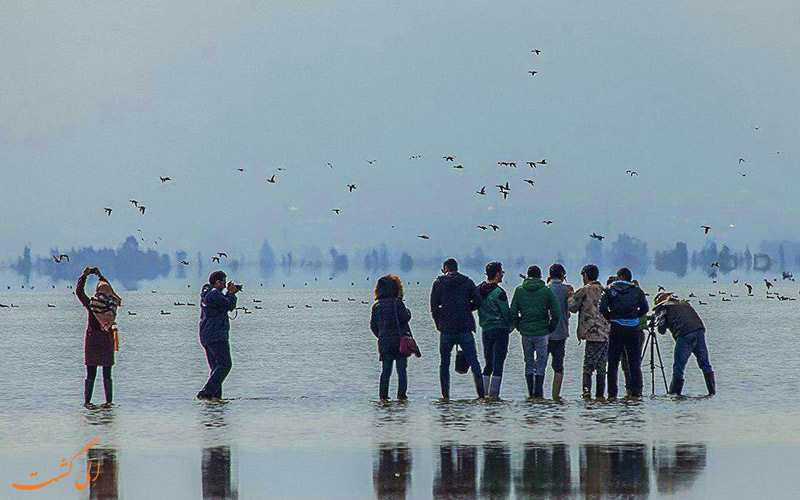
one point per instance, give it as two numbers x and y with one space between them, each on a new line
104 306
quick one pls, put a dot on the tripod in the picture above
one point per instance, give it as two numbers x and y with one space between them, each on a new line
652 342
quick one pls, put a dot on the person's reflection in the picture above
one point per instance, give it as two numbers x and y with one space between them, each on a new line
678 467
102 462
496 473
545 472
595 471
218 482
614 471
457 473
391 471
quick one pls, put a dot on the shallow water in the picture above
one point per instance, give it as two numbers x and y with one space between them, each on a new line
302 418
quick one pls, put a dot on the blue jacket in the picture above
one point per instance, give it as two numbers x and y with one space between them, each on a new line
214 308
453 298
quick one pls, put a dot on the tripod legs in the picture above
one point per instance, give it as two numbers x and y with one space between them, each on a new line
651 342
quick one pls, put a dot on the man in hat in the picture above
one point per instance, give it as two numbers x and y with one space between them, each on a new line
689 332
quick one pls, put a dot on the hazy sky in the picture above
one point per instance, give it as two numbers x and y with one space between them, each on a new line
99 101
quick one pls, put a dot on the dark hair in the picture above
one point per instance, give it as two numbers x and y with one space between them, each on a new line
534 272
591 272
557 271
624 274
492 268
389 286
216 276
451 265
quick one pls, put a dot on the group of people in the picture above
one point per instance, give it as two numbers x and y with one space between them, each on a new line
611 319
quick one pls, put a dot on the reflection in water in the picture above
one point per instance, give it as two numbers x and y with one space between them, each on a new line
496 471
218 481
391 471
545 472
103 463
614 470
457 473
678 467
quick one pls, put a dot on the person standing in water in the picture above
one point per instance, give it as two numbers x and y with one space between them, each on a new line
557 342
494 316
101 338
214 331
593 328
389 323
453 299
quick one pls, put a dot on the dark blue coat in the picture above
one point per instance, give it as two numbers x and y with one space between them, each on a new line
453 298
388 323
214 309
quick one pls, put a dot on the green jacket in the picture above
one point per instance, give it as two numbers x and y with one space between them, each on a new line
534 308
494 313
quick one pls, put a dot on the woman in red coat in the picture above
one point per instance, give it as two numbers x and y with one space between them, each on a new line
101 333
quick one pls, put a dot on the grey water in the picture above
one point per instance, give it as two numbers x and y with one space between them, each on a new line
302 419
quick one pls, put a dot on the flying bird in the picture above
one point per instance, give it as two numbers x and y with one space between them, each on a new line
743 174
371 161
536 51
547 222
483 228
415 157
184 263
596 236
164 180
715 264
532 72
632 172
134 203
271 180
449 158
329 165
459 166
60 258
215 259
543 161
706 229
222 254
741 160
481 191
351 187
336 211
531 164
108 211
424 237
494 227
240 169
529 181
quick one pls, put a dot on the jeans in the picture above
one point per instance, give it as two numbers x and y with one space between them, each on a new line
495 350
624 361
535 351
625 339
691 343
401 362
220 364
446 343
557 349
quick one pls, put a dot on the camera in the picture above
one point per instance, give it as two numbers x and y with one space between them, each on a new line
237 287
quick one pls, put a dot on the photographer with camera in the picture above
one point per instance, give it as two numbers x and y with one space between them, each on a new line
214 329
689 332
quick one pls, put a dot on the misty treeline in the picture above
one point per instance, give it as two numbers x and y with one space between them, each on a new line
131 264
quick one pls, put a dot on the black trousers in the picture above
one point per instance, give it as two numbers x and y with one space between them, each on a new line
218 355
624 339
91 373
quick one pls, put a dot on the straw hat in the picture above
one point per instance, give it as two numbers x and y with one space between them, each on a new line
661 298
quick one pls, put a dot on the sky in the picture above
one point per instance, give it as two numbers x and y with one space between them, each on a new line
99 100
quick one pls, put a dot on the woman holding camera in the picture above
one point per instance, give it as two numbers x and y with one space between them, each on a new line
101 338
389 323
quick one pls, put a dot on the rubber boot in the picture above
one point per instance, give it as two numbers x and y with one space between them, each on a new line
711 383
601 386
676 386
558 378
587 386
445 386
529 381
108 388
487 383
88 388
494 386
480 390
538 390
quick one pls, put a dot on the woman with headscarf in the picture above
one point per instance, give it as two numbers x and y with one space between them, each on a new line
101 332
389 323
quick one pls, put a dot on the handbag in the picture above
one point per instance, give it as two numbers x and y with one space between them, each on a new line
408 345
462 366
